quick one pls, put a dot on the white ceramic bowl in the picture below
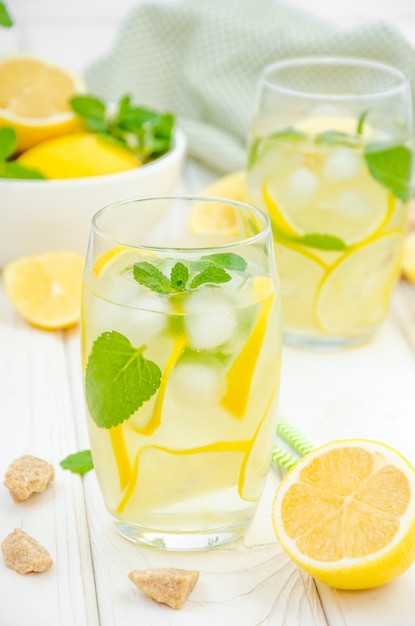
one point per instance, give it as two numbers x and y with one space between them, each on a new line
41 215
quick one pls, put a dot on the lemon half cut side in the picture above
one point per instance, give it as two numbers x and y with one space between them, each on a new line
46 288
34 98
345 514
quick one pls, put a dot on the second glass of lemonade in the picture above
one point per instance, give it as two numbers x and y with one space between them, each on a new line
330 160
181 345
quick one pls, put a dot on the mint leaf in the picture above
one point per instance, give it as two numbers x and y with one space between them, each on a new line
150 276
118 379
336 138
391 167
8 141
211 268
179 276
361 121
92 111
322 242
13 169
78 463
227 260
288 134
210 275
5 19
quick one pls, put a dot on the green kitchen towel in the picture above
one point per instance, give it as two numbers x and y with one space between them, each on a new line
201 59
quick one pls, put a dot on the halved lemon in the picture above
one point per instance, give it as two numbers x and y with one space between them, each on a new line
355 292
231 186
345 514
219 217
300 272
46 288
78 155
34 98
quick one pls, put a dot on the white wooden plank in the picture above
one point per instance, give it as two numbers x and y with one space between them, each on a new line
36 416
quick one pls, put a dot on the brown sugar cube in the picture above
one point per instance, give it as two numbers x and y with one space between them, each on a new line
169 586
23 554
27 475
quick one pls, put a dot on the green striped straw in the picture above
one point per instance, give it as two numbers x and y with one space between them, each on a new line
295 440
293 437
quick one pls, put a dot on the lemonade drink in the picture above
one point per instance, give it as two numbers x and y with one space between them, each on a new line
182 457
336 187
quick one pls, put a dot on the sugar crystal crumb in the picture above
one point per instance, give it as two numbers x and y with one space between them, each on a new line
27 475
169 586
23 554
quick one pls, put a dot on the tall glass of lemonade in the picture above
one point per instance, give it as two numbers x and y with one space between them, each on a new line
181 344
330 160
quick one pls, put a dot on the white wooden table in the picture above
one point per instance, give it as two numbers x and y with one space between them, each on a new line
362 392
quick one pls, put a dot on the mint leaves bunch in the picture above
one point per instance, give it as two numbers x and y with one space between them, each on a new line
183 278
144 132
13 169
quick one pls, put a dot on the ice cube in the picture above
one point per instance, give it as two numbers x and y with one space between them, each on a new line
302 185
354 204
192 384
342 165
210 322
210 330
142 318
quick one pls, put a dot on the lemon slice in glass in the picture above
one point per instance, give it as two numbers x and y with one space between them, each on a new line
355 292
300 272
327 189
116 260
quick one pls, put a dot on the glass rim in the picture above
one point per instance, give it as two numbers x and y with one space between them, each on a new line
264 232
358 62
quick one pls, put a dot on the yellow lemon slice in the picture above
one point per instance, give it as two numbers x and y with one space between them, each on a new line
257 459
160 476
78 155
46 288
34 98
345 514
301 272
352 215
408 261
355 292
117 259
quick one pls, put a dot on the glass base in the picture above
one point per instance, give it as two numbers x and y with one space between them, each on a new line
325 343
182 541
